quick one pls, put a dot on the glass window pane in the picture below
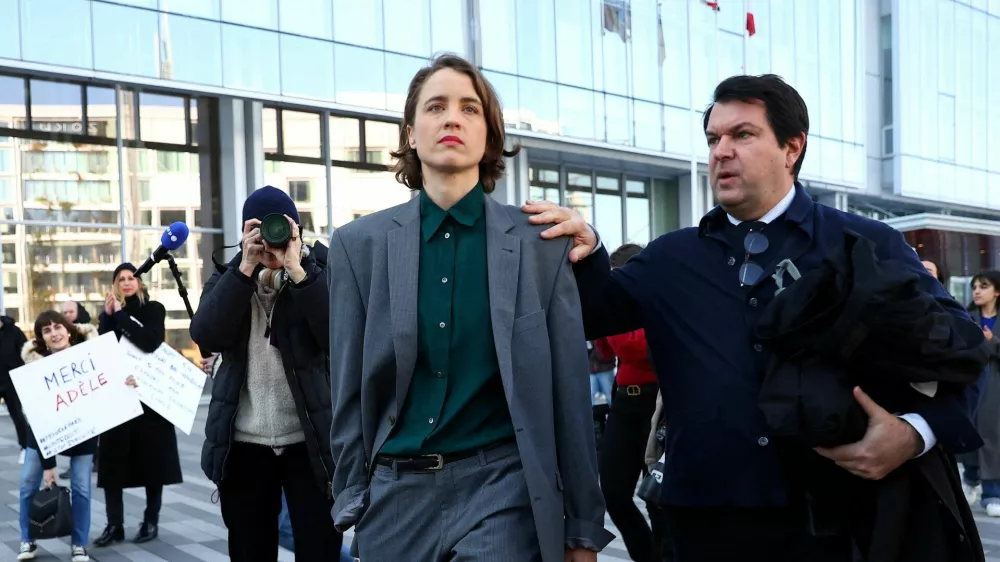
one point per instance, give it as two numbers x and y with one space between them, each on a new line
161 118
71 18
10 35
576 112
201 8
306 185
407 26
449 27
380 139
357 193
56 107
536 41
544 185
68 182
539 106
307 17
730 55
269 130
946 127
579 196
830 73
499 40
645 50
993 86
94 253
300 132
759 47
648 131
677 130
359 23
399 71
192 50
608 212
637 214
250 59
162 183
506 88
359 76
13 113
255 13
619 120
345 139
574 43
306 67
675 74
615 23
125 40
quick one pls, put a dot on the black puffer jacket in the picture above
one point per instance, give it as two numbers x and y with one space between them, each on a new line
301 329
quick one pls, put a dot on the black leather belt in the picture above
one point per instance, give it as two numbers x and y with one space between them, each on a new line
639 389
433 462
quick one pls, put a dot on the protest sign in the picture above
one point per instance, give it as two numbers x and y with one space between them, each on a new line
167 382
75 394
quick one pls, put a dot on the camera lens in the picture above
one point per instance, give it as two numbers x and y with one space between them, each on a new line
275 230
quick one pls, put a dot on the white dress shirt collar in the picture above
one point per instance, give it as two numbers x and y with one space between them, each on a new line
775 211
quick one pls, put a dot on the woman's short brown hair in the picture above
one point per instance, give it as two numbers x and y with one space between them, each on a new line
47 318
491 167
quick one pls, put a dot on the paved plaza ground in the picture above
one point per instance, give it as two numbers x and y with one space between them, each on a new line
191 528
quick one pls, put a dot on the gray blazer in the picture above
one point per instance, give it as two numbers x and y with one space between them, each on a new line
538 332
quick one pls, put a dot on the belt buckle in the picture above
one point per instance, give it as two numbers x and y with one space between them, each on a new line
440 461
633 390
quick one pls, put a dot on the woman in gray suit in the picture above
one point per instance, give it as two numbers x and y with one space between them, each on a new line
461 424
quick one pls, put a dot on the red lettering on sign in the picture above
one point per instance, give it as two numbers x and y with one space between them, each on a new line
101 379
72 395
82 391
60 402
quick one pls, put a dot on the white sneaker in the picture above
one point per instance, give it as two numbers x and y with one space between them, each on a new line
80 554
28 551
20 458
972 493
993 509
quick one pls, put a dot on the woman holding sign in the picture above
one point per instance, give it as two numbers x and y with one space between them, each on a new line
53 333
141 452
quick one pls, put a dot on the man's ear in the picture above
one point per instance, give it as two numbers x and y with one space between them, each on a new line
794 147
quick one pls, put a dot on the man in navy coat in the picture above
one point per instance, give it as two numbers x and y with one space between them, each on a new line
699 293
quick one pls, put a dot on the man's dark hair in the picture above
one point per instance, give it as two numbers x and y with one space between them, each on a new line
786 110
623 253
491 167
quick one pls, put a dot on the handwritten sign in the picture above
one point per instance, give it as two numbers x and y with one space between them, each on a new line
75 394
167 382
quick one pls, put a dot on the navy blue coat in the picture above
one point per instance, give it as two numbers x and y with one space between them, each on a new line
683 289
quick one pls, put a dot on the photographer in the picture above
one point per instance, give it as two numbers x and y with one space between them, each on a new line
268 427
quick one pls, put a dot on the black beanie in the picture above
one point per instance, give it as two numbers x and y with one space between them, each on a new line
121 268
267 200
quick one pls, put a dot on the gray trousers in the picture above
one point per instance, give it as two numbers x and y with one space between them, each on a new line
477 509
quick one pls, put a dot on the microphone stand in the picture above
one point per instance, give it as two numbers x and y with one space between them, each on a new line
181 289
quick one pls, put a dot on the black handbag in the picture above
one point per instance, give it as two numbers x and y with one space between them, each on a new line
50 514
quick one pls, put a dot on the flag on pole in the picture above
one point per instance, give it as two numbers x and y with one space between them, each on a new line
751 26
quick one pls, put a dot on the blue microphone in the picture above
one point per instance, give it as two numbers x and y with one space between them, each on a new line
173 237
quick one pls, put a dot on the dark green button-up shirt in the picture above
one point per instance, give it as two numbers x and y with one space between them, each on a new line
456 400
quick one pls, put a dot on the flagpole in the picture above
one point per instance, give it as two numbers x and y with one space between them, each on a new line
746 37
696 191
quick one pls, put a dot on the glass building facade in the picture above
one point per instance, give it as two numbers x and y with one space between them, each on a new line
947 60
118 117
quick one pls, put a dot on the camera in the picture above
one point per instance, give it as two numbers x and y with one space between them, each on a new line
276 230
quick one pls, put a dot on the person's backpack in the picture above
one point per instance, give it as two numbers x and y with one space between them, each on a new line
50 514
